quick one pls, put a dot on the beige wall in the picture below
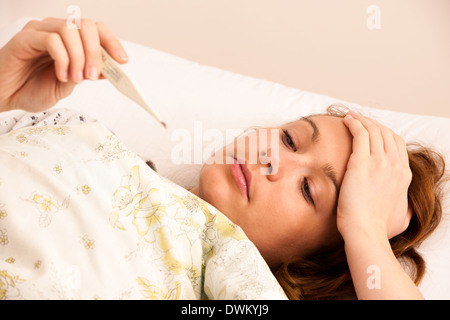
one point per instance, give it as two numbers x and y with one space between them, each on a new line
323 46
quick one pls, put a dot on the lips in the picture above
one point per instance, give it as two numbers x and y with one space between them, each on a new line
242 176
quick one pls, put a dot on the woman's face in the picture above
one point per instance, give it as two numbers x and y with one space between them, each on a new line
292 210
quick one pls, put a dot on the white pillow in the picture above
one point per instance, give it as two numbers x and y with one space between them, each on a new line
187 94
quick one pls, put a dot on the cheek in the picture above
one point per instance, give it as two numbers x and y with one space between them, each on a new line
290 227
214 187
210 177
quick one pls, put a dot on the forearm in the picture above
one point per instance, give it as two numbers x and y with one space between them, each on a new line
376 272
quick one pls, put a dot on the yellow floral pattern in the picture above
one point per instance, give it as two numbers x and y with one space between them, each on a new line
9 285
99 223
47 206
3 212
3 237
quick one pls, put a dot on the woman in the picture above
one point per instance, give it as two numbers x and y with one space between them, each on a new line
333 204
346 194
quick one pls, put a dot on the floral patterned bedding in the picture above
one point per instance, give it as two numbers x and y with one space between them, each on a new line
83 217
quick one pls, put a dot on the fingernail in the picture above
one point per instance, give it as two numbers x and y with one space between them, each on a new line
123 55
64 77
93 73
79 76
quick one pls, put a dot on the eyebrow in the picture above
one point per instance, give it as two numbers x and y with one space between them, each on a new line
327 169
316 132
331 174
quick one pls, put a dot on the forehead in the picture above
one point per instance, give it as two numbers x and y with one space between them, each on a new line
326 117
333 143
330 122
332 129
324 124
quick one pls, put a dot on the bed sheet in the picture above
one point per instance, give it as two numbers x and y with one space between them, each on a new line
94 221
197 99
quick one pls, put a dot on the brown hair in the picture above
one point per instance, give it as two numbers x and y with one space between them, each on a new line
325 275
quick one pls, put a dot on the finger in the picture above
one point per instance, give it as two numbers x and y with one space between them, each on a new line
74 45
402 150
389 143
72 42
395 149
389 138
91 45
52 43
393 143
361 140
375 136
111 44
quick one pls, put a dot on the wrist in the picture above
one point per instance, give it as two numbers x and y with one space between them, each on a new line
375 270
364 233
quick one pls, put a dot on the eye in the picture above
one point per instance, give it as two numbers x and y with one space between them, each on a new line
287 140
306 191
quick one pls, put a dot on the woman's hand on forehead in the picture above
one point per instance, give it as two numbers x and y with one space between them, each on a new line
373 194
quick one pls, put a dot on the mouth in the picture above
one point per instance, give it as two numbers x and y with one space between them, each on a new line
242 177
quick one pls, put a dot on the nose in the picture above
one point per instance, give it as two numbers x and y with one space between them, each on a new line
268 151
268 164
276 163
261 148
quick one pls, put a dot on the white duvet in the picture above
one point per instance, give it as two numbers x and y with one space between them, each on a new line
83 217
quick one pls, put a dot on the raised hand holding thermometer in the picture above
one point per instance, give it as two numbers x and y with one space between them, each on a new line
112 71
